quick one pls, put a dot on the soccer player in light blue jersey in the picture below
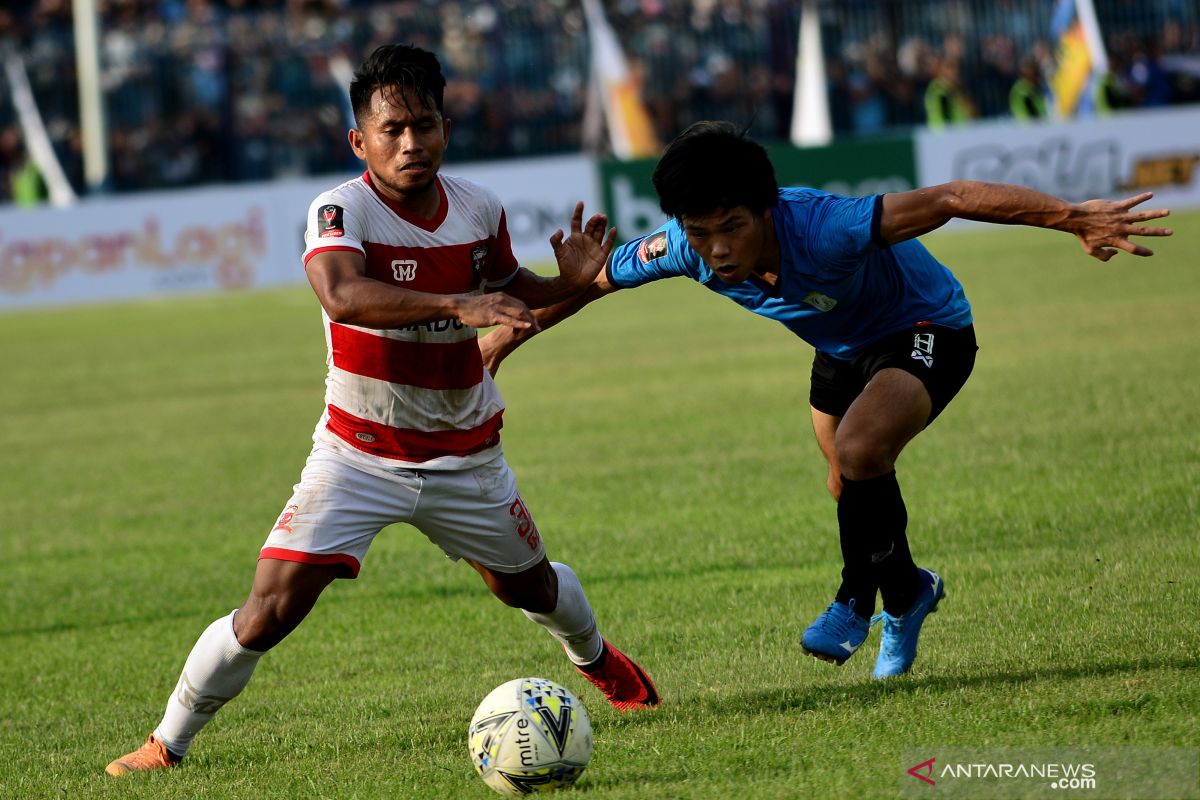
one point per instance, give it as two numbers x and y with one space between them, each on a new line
890 324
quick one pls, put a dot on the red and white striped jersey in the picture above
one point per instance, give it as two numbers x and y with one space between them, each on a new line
420 394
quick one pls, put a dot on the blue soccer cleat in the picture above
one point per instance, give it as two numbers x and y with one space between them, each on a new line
898 646
836 634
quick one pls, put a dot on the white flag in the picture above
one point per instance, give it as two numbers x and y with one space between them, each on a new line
810 109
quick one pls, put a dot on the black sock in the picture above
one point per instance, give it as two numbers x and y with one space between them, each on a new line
899 581
875 554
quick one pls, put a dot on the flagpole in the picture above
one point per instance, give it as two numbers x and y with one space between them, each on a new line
1091 34
91 98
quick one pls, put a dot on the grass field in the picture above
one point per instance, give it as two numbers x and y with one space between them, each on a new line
662 441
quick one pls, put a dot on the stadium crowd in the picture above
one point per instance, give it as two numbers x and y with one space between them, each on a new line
201 91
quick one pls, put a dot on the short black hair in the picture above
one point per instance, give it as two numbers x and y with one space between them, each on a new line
713 166
397 66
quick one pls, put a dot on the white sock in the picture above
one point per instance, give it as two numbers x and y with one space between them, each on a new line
215 671
572 621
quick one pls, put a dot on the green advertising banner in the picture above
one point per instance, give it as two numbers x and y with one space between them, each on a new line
852 168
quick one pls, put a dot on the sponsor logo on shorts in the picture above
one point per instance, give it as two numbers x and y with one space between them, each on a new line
524 523
284 523
652 247
923 348
329 222
365 437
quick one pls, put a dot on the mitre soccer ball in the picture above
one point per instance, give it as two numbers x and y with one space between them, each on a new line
530 735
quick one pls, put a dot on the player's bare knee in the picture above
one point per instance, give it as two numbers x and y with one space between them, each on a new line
861 457
263 622
534 589
524 594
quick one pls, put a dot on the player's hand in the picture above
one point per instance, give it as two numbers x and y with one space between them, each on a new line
1104 226
495 308
583 253
493 350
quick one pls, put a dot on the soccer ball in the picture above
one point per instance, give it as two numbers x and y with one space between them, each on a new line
530 735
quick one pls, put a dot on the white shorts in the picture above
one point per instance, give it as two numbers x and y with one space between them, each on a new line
337 509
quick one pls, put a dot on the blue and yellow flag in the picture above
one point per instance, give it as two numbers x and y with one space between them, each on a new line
1080 59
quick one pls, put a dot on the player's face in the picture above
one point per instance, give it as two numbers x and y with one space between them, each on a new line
731 241
403 142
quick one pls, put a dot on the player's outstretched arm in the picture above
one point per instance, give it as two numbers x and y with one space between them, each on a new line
581 256
498 344
1101 226
339 280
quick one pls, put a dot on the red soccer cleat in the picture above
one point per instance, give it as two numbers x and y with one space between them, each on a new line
623 682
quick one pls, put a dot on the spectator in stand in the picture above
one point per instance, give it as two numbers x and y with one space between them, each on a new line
22 180
1027 98
189 84
1146 76
946 100
998 72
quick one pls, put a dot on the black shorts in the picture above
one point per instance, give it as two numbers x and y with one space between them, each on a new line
942 358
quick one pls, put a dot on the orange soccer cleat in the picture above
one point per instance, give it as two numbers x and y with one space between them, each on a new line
152 755
622 681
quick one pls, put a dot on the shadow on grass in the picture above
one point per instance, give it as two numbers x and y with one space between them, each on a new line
381 587
93 625
815 698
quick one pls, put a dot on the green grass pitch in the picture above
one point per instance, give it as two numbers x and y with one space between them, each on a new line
662 441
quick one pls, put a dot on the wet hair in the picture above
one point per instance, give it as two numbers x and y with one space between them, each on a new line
713 166
393 67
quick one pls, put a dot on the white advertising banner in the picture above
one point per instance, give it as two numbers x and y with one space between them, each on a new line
1108 157
228 238
539 196
174 242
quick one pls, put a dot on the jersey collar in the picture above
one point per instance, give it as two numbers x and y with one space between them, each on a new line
424 223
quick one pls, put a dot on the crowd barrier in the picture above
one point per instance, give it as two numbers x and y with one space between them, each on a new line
237 237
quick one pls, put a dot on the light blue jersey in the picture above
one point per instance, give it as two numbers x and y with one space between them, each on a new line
839 288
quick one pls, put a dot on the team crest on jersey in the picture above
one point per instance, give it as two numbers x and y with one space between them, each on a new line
652 247
821 302
479 255
329 222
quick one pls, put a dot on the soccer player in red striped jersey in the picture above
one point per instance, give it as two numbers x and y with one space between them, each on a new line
407 263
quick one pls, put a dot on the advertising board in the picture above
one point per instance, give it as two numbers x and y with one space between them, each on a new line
235 237
852 168
1108 157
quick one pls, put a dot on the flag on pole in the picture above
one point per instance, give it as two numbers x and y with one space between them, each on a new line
1080 60
810 110
629 129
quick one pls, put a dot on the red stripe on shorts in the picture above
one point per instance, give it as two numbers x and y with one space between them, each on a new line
283 554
